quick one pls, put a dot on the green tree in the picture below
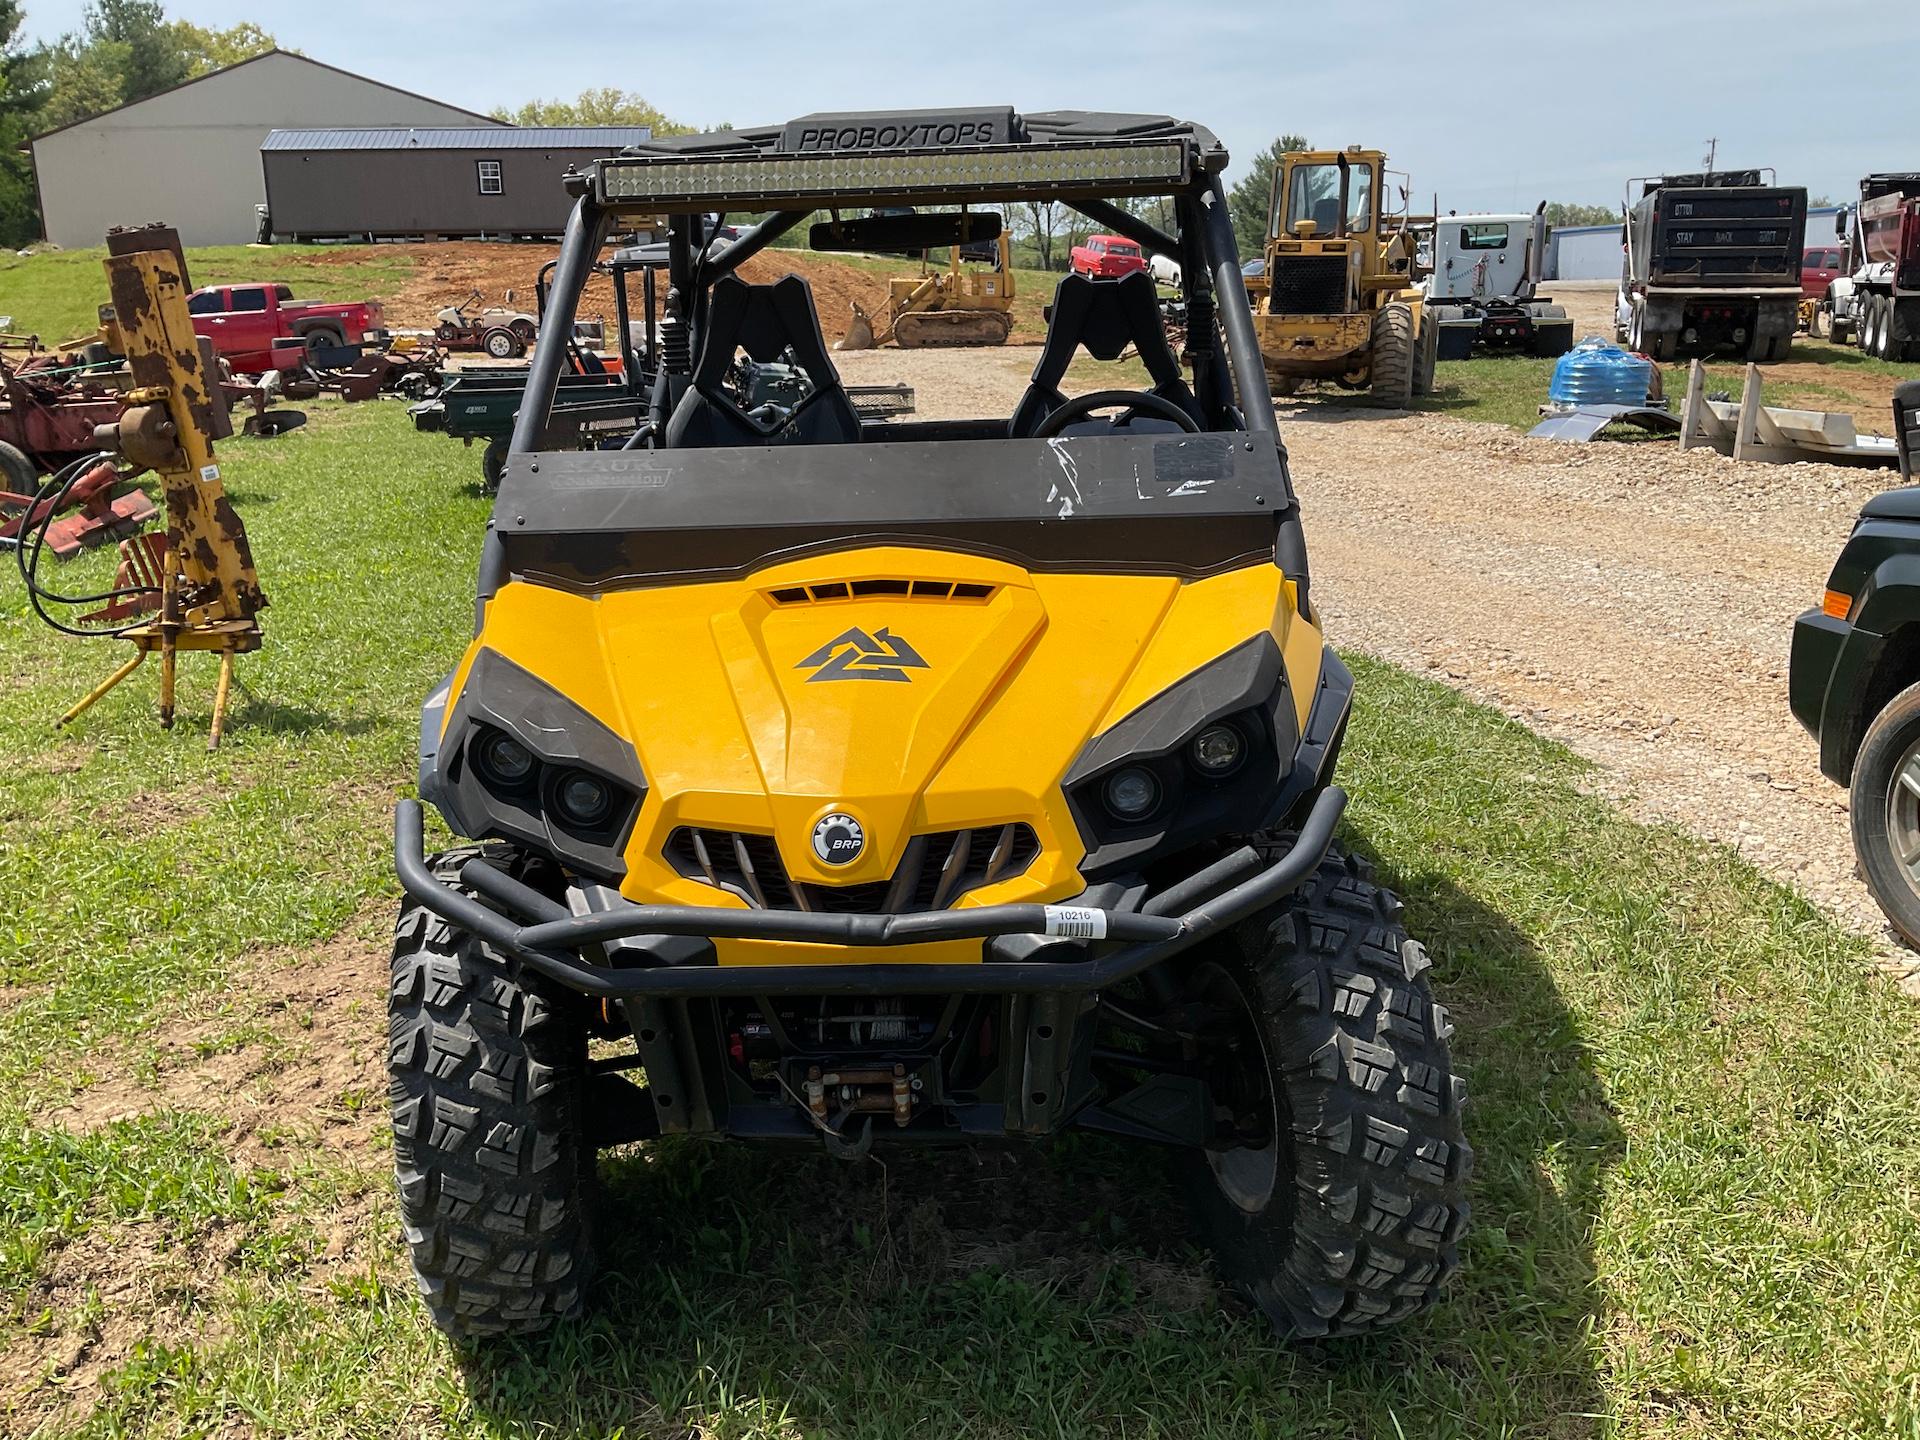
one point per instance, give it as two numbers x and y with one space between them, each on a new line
19 103
1252 195
208 50
80 81
141 42
602 105
1561 213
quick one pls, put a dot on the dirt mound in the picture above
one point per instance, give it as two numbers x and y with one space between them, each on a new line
444 274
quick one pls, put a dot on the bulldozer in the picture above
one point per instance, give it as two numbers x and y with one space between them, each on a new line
964 304
1339 298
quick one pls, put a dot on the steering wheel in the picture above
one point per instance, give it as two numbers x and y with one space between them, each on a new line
1138 401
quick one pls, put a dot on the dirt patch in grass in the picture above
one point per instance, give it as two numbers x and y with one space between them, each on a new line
136 1288
294 1050
150 811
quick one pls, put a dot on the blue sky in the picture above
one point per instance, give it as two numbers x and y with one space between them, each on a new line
1569 99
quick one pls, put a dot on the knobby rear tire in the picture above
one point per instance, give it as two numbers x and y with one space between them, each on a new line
486 1065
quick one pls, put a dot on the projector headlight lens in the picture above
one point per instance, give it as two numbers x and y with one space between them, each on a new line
1217 751
1132 794
582 799
503 761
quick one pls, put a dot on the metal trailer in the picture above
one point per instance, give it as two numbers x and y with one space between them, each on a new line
1483 289
1712 264
448 183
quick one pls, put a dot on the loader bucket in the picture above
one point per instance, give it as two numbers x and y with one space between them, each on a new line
859 331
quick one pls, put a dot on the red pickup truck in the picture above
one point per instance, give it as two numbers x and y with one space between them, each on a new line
245 321
1819 268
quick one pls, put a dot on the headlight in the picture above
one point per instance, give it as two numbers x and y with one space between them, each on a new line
518 761
1132 794
1217 751
1208 757
502 760
581 799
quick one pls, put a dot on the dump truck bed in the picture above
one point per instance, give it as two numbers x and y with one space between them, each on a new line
1721 237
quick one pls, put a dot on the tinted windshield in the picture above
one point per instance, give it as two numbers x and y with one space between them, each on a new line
1313 194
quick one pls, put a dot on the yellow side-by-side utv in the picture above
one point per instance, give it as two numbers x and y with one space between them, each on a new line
861 783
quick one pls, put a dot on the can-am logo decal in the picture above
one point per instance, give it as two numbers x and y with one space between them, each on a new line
856 655
838 839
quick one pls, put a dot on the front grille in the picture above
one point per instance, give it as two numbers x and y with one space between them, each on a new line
936 870
1308 285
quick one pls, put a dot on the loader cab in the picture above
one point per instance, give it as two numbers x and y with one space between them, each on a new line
1309 188
1323 221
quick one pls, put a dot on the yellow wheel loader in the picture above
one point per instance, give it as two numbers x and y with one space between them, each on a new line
1339 298
857 783
967 303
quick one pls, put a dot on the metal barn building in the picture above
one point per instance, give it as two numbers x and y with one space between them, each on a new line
1583 252
191 155
431 183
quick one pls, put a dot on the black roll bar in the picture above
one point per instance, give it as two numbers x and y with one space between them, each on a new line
1236 311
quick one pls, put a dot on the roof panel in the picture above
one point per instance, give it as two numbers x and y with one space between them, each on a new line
605 139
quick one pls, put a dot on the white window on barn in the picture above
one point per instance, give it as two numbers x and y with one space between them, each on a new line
490 177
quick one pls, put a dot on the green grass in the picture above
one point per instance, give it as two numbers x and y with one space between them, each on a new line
1697 1198
56 294
1510 389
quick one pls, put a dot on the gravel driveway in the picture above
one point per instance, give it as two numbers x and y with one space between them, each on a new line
1629 600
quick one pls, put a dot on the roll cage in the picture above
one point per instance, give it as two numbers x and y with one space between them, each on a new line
845 163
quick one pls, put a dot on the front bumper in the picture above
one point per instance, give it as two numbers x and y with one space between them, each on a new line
546 936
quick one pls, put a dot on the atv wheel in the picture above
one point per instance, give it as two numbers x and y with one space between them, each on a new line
1393 358
1341 1206
486 1066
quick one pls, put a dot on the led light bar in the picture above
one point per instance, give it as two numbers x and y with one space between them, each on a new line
776 181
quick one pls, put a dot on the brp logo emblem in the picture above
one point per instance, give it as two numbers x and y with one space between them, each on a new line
838 839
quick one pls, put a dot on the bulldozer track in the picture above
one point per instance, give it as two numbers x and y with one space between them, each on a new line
952 328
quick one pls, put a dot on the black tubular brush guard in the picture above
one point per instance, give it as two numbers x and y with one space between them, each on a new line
550 944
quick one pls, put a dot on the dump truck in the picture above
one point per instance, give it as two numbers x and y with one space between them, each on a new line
1882 291
1483 289
1339 298
1712 264
852 784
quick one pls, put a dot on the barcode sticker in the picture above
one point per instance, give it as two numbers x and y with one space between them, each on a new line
1077 922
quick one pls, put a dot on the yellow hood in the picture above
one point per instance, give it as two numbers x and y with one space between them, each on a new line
915 690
